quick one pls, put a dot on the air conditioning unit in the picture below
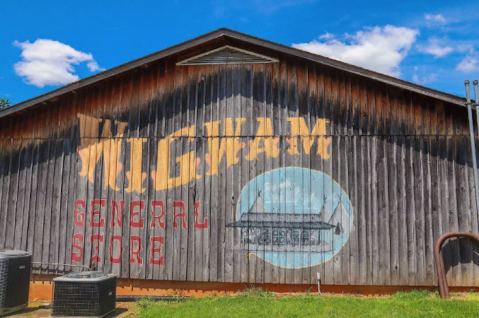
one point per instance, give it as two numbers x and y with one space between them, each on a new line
85 294
15 269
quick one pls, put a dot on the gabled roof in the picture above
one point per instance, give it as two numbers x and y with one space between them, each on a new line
226 33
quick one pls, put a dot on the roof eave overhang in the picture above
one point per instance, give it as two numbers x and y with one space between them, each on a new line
241 37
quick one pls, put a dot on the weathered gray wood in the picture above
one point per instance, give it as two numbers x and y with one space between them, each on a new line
404 164
18 212
206 203
28 164
6 151
402 197
236 182
353 178
214 214
229 180
429 243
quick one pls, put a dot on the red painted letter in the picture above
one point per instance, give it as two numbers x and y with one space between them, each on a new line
118 212
135 251
154 217
77 257
95 238
161 240
94 212
112 259
133 213
79 222
180 205
199 225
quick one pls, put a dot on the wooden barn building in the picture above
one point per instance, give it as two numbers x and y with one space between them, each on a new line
228 160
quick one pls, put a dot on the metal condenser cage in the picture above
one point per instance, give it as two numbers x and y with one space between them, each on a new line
15 269
85 294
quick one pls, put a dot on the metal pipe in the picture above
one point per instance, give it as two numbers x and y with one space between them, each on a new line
318 276
59 264
476 105
473 143
476 96
441 272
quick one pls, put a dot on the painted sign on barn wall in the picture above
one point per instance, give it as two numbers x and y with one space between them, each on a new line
288 210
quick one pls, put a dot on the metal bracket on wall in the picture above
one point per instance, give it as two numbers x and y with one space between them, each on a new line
441 273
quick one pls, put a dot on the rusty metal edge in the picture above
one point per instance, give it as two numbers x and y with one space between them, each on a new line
441 273
223 32
41 287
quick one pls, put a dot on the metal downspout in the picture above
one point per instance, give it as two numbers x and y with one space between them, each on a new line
473 143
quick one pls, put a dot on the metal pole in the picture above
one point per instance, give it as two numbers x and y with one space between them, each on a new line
473 143
476 95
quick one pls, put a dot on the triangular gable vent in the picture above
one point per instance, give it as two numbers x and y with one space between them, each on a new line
227 55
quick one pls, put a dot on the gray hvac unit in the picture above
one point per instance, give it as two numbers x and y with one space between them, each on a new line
84 294
15 269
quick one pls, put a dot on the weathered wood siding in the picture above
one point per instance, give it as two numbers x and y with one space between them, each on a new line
145 175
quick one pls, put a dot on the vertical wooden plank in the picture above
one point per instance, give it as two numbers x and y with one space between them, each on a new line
93 184
328 101
28 166
33 194
61 194
428 239
123 245
362 206
166 108
155 259
229 211
3 175
13 186
402 197
207 103
284 160
237 181
41 190
21 221
463 201
314 160
69 199
214 207
353 177
19 217
382 110
56 239
109 172
117 211
195 81
183 191
49 235
345 100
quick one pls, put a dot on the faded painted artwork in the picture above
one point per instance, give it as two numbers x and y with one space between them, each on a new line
293 217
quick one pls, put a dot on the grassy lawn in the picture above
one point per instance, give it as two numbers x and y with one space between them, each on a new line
254 304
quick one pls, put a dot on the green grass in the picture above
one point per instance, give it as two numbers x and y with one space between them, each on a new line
254 302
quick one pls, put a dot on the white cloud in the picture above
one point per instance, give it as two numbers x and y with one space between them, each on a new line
378 49
327 36
469 64
435 19
423 79
435 49
48 62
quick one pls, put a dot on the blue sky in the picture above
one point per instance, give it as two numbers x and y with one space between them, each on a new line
46 44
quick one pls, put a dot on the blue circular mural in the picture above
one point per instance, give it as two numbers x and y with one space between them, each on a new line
293 217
